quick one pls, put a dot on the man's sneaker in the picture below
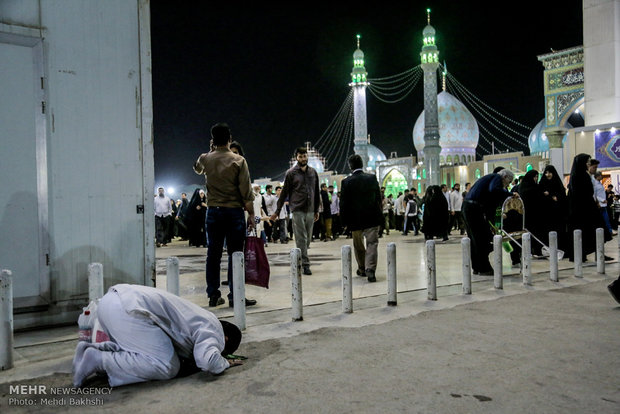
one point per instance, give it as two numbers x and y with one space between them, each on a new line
307 270
371 275
216 301
248 302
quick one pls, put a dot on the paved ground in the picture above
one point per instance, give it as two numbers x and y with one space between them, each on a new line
549 348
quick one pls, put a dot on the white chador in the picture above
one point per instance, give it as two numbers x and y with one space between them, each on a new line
149 329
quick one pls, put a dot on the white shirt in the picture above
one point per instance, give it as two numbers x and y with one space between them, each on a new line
162 206
456 200
335 205
398 206
192 329
271 202
447 196
599 193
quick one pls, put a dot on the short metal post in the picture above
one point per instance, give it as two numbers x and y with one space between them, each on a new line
238 275
172 275
553 256
600 251
6 320
526 258
347 280
498 280
296 296
95 281
578 253
431 270
391 273
466 255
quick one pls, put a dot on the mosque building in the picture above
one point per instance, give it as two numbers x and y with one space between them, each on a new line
447 139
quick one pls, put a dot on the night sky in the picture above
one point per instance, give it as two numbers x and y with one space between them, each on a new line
279 74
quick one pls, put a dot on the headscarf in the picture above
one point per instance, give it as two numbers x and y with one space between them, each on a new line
555 185
579 171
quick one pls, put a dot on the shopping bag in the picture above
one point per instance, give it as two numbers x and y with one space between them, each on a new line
256 264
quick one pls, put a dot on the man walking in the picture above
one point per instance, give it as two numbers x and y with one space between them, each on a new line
456 202
228 192
360 205
163 210
301 187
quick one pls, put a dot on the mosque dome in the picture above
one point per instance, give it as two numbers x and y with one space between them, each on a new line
358 54
374 155
458 131
538 142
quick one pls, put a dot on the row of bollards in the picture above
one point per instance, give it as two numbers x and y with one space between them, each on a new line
96 283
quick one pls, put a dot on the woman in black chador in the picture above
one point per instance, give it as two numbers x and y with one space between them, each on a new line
583 212
554 206
436 215
532 197
195 219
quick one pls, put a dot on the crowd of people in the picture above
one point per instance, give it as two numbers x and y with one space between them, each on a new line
305 210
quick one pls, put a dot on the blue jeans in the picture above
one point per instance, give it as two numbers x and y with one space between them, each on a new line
223 223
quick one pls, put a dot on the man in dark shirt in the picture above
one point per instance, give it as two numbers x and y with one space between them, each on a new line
301 187
360 205
481 202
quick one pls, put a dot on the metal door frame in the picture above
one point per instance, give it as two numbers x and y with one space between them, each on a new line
27 304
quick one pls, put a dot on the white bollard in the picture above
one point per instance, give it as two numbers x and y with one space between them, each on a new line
600 251
553 256
347 280
431 270
526 258
95 281
296 296
6 320
578 253
238 276
466 252
391 273
498 280
172 275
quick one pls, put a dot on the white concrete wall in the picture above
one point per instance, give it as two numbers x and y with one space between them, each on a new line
601 39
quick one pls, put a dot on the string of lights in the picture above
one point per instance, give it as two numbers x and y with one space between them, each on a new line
404 89
487 117
395 78
340 161
475 105
338 137
343 110
333 140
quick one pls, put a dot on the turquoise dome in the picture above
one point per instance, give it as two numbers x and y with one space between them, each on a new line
538 142
458 131
374 155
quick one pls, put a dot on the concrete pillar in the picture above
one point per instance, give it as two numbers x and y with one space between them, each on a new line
347 280
95 281
238 274
391 273
466 256
431 270
600 251
296 292
172 275
6 320
526 258
498 272
578 253
555 135
553 256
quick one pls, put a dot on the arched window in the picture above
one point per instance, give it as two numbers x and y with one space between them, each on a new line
477 173
528 167
394 182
